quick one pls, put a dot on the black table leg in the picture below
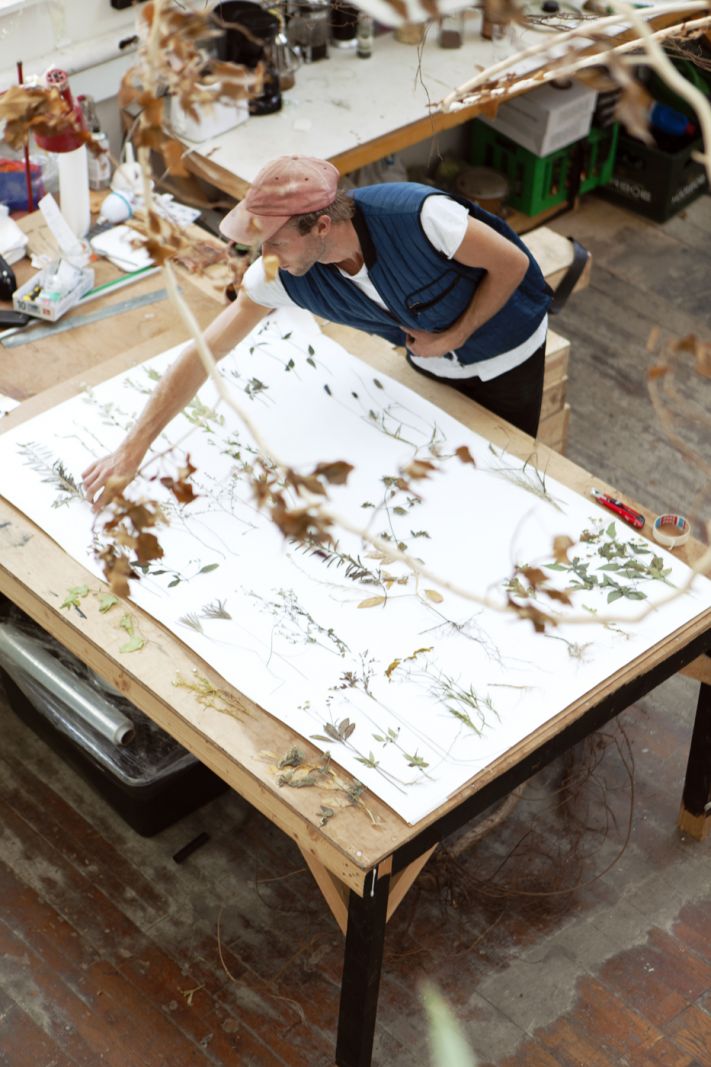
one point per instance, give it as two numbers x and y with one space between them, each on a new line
697 786
365 939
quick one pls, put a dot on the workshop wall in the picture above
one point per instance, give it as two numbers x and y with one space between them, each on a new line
87 38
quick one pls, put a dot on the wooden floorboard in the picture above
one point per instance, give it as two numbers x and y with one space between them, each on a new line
559 941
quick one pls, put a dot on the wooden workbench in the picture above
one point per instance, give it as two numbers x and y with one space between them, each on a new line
38 365
364 868
353 112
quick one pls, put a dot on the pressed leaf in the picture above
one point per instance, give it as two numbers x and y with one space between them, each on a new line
134 644
434 596
74 595
372 602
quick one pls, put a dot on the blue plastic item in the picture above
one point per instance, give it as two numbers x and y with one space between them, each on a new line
667 120
13 187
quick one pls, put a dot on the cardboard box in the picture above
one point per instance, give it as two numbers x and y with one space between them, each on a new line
548 118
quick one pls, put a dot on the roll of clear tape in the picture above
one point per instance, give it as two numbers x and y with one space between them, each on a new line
21 653
663 527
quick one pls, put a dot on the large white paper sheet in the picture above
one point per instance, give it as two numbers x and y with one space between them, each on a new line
436 685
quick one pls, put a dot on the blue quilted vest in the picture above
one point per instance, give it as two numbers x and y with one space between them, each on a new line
420 286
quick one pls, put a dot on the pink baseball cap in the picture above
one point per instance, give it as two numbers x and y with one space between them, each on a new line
288 186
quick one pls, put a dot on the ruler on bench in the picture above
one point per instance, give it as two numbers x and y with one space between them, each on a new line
30 333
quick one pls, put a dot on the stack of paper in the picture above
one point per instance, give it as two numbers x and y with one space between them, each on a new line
13 241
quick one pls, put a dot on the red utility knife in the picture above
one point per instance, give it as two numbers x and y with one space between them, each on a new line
624 511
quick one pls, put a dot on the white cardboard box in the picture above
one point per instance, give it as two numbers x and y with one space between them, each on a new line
212 120
547 118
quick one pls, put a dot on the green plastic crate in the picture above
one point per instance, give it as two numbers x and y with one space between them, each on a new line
538 183
599 152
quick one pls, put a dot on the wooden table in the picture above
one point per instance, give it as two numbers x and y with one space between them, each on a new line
38 365
363 870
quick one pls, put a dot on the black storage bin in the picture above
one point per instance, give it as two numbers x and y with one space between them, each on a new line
151 780
654 182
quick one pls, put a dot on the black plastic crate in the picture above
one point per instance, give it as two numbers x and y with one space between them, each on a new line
151 781
654 182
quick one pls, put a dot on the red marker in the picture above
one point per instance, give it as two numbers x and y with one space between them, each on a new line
624 511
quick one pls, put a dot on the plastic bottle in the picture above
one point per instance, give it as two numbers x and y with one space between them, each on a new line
99 165
70 152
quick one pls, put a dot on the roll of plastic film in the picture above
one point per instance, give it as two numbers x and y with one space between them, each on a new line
671 530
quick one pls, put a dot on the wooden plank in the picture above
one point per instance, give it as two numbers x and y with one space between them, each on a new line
554 394
401 884
557 357
23 1041
553 431
334 892
554 254
700 670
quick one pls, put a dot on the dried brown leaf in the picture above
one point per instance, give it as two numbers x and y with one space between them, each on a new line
462 453
335 473
561 546
302 524
173 153
557 594
534 576
538 619
418 469
147 547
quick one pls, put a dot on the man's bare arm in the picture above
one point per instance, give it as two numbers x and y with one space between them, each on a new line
505 265
111 474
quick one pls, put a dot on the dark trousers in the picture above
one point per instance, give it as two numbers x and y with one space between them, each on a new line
515 396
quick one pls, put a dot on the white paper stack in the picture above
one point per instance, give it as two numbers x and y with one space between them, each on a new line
13 242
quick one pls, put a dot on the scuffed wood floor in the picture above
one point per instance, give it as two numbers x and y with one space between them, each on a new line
577 935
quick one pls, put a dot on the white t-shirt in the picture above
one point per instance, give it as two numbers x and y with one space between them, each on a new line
444 222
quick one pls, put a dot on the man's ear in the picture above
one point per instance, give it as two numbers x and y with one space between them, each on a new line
323 225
